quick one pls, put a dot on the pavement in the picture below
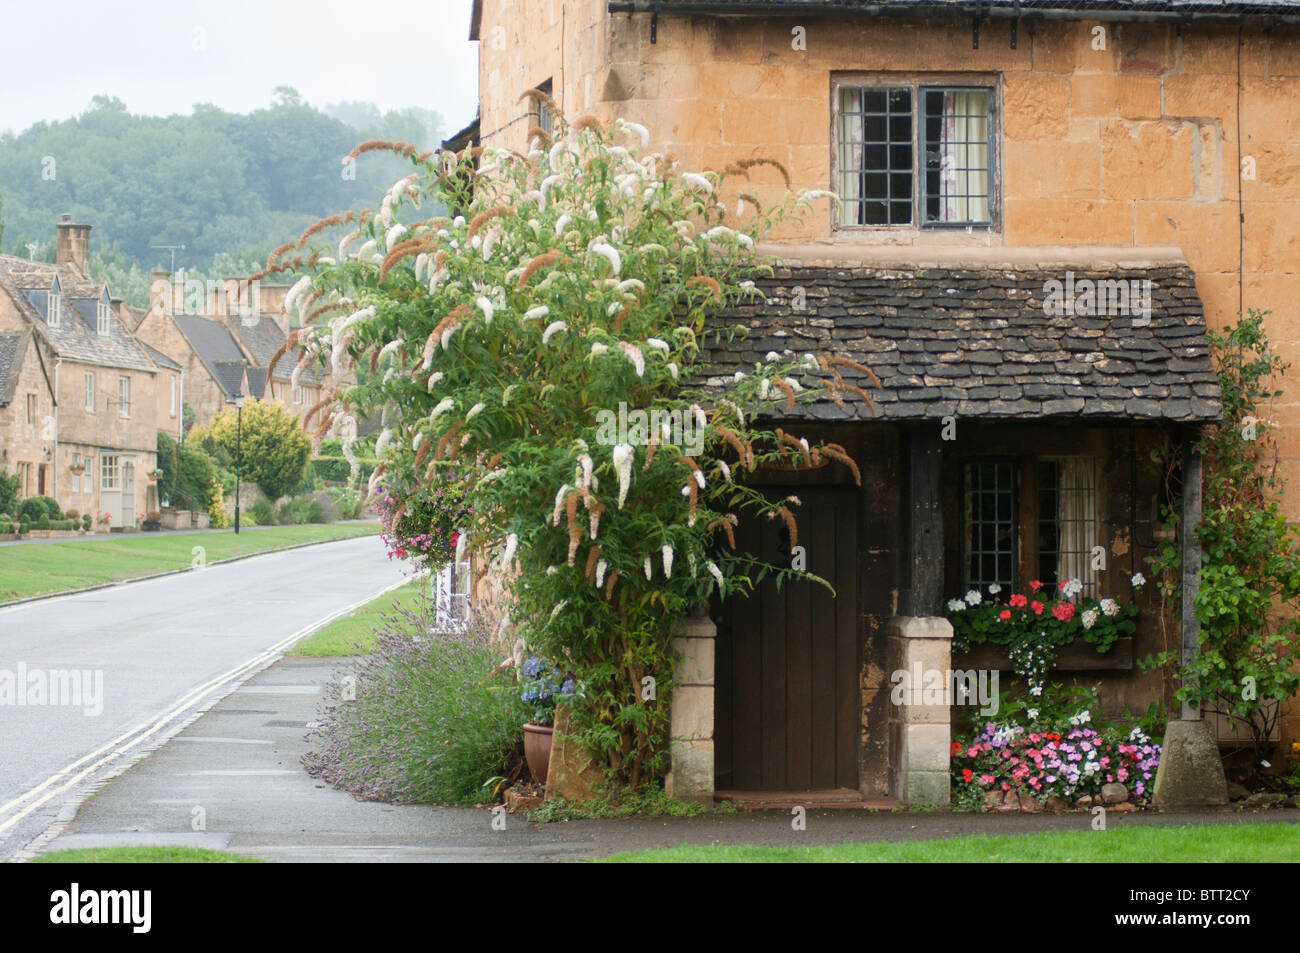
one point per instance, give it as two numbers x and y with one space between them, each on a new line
148 657
233 781
118 537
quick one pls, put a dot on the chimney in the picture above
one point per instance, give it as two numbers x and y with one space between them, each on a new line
73 245
160 291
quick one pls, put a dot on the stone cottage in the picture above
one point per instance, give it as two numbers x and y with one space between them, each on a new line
992 161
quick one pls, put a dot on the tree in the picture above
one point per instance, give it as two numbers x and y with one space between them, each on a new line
579 283
275 450
11 490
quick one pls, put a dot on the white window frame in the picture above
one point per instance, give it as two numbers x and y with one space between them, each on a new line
109 472
103 319
54 309
297 395
173 395
90 391
124 397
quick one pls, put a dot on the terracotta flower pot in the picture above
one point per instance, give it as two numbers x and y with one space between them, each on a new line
537 749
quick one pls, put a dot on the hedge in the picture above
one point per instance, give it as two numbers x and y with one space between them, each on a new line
338 470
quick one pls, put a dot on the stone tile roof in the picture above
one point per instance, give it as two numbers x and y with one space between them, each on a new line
977 342
13 346
230 375
76 338
1027 7
215 346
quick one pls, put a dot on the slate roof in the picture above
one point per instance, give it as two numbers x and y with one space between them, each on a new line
977 342
159 358
76 338
13 346
215 346
262 339
230 375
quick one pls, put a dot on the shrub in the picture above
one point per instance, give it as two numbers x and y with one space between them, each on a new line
35 507
299 511
153 516
43 523
74 515
85 521
263 512
10 490
338 470
429 723
24 528
275 449
194 489
217 508
169 463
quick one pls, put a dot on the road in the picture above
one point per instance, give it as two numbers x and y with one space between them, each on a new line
149 657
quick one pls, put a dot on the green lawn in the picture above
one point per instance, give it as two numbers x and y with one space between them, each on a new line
144 855
1220 843
354 634
36 569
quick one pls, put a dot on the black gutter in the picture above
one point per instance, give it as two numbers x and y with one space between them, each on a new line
969 7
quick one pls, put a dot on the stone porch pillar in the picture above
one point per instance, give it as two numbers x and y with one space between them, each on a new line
919 734
690 777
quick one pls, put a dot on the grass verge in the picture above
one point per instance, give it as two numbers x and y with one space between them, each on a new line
355 634
144 855
1219 843
38 569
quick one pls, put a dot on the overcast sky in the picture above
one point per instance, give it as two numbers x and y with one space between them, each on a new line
163 56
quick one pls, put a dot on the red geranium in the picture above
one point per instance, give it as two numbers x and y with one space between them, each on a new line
1035 585
1004 615
1037 607
966 774
1018 601
1063 611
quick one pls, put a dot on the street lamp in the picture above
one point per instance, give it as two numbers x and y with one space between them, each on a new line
239 452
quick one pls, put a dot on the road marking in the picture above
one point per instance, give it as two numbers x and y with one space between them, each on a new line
134 736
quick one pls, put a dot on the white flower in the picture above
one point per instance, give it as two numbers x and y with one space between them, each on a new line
649 571
461 542
512 543
771 356
668 560
956 605
672 369
1139 580
486 307
609 254
532 314
726 470
562 223
598 348
1031 712
641 131
444 405
505 394
716 573
633 354
994 589
1109 607
657 344
584 468
973 598
622 456
697 180
556 611
475 411
1089 618
434 378
600 573
559 504
393 234
1036 690
552 329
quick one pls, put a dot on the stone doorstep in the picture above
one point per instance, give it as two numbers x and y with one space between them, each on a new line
844 799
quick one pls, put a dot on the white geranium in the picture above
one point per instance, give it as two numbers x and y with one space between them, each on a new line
1109 607
994 589
1089 618
956 605
973 598
1139 580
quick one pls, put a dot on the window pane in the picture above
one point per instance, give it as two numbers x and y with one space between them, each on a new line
958 156
990 529
1067 521
875 155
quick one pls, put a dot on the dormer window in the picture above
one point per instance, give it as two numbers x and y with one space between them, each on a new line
54 309
102 318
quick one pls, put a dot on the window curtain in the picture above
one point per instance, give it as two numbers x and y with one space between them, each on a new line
964 157
1076 519
851 136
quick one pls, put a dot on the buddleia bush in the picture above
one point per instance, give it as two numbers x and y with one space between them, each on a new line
495 345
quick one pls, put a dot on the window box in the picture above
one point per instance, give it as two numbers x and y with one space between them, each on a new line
1077 656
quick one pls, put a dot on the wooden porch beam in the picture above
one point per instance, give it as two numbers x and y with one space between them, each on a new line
1191 553
923 528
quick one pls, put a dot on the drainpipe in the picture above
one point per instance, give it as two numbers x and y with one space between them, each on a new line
54 463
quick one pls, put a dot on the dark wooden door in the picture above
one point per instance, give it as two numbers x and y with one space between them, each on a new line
787 702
